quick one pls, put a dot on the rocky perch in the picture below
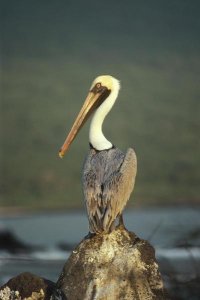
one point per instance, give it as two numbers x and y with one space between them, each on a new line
111 266
27 286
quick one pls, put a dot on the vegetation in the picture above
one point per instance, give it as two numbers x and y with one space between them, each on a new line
50 56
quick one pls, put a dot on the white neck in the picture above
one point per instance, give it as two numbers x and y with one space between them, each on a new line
96 136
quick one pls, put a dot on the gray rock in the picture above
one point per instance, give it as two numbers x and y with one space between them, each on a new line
114 266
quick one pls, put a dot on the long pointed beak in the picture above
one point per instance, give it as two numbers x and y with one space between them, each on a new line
90 104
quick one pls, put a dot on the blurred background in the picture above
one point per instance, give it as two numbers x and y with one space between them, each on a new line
50 53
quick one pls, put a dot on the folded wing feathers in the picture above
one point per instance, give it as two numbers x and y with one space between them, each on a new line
108 181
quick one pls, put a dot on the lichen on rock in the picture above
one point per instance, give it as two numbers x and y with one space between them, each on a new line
7 294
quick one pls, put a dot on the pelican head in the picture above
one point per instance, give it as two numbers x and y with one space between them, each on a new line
101 97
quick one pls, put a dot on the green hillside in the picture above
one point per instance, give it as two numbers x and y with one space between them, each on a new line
52 51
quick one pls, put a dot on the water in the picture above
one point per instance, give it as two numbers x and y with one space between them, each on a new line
163 227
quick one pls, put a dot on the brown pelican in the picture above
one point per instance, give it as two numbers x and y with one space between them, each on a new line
108 174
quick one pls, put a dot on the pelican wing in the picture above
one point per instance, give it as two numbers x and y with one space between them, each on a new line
108 181
118 188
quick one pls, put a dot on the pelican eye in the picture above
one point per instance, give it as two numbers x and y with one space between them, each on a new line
97 88
98 85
